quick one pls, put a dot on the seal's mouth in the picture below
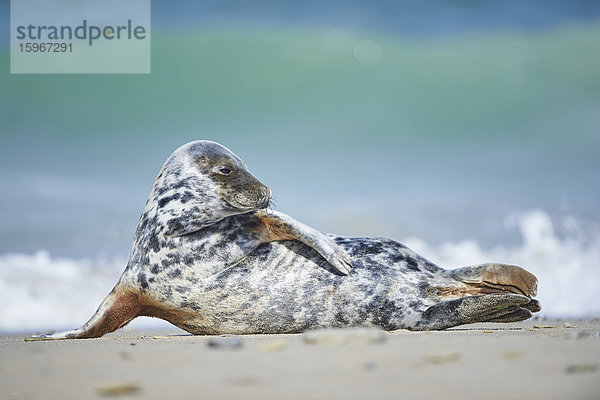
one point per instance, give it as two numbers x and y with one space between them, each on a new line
244 204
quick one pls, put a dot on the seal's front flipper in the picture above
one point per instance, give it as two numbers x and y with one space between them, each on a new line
280 226
498 307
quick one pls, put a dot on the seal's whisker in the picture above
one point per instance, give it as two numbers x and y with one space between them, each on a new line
272 204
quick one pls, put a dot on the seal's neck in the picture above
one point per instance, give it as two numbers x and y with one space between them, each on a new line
180 204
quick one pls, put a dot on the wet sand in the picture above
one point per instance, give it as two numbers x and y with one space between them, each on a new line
536 359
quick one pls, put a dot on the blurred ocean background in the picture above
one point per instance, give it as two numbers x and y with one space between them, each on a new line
468 130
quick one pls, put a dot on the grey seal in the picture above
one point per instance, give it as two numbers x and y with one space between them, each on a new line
210 257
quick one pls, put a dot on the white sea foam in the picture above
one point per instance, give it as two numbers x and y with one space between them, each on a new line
39 292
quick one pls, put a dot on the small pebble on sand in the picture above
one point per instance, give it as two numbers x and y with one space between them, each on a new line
273 345
441 358
118 389
225 342
581 368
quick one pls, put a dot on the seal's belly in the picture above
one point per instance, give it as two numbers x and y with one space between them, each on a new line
288 287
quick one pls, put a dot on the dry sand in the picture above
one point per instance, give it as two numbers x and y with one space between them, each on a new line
547 359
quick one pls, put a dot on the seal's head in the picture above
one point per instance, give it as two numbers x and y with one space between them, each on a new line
237 187
201 183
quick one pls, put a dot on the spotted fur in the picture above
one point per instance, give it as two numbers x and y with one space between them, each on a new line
208 257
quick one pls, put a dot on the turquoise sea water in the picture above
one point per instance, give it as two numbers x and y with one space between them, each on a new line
489 124
469 146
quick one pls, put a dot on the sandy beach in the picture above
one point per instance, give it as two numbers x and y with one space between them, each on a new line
536 359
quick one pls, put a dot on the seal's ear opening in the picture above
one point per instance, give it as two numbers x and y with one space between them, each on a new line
202 160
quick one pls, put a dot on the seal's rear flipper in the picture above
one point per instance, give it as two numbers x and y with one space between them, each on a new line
496 278
498 307
116 311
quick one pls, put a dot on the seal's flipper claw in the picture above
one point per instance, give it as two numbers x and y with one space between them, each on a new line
333 253
51 335
42 336
519 314
340 265
533 306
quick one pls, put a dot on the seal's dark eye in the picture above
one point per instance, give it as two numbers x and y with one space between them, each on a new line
222 170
